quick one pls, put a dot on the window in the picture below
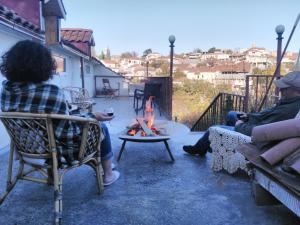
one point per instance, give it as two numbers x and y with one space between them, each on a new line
60 64
87 69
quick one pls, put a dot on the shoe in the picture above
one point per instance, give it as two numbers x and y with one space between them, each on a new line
193 151
113 167
116 175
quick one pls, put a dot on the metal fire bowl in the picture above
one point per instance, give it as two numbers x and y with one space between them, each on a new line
157 138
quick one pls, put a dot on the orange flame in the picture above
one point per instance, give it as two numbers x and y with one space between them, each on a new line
132 132
149 112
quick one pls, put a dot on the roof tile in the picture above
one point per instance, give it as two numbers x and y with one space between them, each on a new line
76 34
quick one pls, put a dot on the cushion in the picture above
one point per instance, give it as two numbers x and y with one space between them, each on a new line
281 150
276 131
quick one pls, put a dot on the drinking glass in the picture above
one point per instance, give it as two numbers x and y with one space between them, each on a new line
110 112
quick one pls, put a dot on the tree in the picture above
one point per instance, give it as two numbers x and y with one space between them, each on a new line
212 50
165 68
179 74
201 64
108 54
102 56
228 51
147 52
156 64
197 50
132 54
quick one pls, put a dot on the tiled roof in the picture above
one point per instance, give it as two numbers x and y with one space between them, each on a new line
71 45
11 16
77 35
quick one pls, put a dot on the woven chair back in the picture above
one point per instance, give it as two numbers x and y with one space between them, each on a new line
33 134
77 94
29 135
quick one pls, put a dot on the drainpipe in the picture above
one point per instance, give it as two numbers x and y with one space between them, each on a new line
81 72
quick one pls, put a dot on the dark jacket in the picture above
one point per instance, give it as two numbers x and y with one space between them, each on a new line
285 109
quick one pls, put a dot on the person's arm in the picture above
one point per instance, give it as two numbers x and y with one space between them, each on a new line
244 128
102 116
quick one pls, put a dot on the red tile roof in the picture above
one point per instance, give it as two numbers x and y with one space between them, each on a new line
77 35
11 16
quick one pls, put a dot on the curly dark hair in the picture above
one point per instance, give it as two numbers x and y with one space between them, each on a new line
28 61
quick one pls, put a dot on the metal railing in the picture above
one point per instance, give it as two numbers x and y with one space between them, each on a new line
255 90
218 109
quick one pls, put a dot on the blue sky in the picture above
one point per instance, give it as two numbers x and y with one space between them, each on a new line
135 25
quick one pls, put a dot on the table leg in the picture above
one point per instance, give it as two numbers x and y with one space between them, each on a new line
121 151
169 151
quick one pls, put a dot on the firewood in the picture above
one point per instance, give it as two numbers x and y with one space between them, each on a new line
146 129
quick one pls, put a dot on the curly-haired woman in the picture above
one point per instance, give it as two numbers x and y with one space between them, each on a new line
27 66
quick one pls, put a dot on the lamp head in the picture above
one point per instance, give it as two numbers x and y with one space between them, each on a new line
172 39
279 29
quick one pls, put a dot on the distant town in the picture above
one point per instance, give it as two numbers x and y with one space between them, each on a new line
217 66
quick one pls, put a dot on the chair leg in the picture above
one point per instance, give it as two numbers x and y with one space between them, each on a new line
99 176
11 182
97 166
57 192
10 165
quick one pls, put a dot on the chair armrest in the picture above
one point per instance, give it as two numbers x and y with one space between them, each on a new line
138 92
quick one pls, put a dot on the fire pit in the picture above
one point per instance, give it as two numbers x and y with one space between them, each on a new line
144 130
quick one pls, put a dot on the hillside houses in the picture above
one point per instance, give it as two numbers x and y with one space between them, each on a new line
232 74
259 57
198 65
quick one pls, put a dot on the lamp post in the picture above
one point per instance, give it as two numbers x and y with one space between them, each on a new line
147 66
171 40
279 30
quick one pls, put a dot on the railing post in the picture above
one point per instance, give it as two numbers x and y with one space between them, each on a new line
246 99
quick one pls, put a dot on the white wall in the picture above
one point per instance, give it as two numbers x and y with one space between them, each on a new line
7 40
116 81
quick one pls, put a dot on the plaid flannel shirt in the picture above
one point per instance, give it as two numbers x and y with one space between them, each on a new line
44 98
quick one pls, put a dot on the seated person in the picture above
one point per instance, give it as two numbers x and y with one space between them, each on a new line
28 66
286 108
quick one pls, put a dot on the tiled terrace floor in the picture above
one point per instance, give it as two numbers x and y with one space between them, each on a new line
151 189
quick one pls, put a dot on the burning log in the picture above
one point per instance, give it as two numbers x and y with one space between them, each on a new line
144 126
146 129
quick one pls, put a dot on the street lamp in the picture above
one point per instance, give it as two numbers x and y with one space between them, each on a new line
171 40
147 66
279 31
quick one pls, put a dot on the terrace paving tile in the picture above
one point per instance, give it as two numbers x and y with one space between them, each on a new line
150 191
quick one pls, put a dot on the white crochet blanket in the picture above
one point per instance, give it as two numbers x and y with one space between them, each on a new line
223 145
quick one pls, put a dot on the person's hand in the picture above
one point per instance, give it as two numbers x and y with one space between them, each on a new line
103 116
238 122
242 115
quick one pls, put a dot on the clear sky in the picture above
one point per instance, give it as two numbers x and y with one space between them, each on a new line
135 25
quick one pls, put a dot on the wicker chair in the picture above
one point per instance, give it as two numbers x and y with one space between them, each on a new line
80 98
32 139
